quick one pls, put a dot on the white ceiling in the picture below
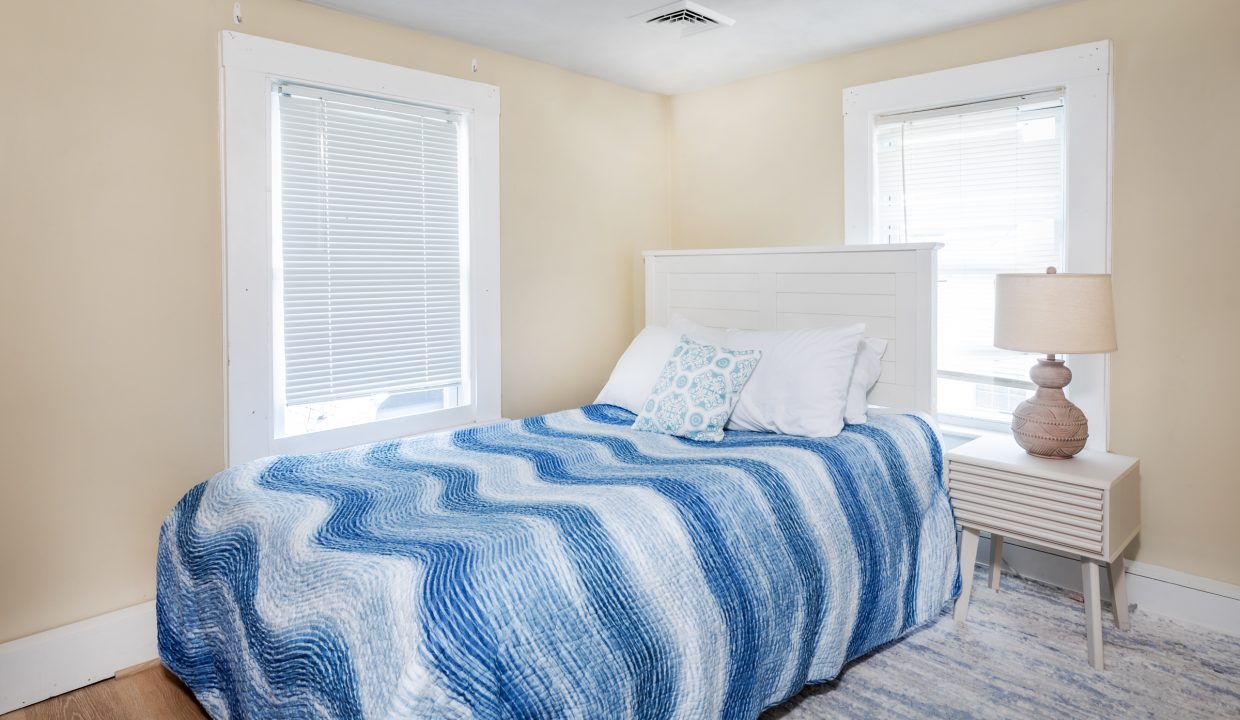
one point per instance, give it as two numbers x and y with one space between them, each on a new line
596 37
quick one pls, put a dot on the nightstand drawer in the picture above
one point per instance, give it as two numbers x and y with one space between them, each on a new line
1063 492
1010 524
1073 524
1067 515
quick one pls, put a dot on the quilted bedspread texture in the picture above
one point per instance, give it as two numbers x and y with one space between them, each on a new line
561 566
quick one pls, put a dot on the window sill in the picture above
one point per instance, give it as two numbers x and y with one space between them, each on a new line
376 431
956 435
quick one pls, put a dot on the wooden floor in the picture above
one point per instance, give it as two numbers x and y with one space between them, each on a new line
151 692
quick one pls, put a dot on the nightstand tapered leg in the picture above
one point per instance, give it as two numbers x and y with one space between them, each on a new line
996 560
1093 611
1119 590
968 558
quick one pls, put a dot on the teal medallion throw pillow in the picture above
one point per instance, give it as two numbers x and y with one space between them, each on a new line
697 390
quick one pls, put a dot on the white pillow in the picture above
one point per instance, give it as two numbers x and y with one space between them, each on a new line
638 368
801 385
868 367
697 333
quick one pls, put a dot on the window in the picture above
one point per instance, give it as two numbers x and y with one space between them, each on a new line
362 249
986 180
1005 163
369 265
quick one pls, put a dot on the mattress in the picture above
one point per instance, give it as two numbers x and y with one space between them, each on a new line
561 566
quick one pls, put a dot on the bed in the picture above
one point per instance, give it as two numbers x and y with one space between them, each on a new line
566 565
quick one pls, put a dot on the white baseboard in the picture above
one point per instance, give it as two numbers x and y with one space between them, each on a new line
1157 590
66 658
40 666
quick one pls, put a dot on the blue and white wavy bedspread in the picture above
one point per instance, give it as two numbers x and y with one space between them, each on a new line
559 566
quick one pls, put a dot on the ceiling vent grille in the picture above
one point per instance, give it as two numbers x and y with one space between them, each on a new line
686 18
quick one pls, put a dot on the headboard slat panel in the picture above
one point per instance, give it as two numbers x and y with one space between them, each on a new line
853 284
889 288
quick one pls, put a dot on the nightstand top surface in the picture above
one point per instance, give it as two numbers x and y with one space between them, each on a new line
1090 467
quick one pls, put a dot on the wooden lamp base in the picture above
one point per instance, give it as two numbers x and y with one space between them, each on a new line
1048 424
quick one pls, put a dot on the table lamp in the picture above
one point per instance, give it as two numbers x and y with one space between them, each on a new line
1053 313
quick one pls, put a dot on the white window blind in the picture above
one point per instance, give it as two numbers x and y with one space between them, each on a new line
987 181
368 237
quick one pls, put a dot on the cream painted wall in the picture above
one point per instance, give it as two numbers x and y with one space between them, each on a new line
112 290
759 162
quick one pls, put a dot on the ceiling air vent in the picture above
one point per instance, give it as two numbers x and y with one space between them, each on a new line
684 17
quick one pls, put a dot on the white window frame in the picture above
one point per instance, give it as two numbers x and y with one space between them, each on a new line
250 66
1084 72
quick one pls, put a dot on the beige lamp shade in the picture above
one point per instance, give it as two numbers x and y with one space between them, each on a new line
1054 313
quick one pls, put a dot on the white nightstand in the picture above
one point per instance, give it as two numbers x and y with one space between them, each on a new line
1089 506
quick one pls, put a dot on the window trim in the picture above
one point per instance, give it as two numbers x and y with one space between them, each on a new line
1084 72
249 66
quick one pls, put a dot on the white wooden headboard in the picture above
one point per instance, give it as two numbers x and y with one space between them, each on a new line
890 288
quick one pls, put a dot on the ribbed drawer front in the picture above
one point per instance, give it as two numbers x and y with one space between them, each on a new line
1055 512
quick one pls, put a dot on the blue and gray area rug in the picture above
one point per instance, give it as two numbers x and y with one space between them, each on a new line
1022 655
